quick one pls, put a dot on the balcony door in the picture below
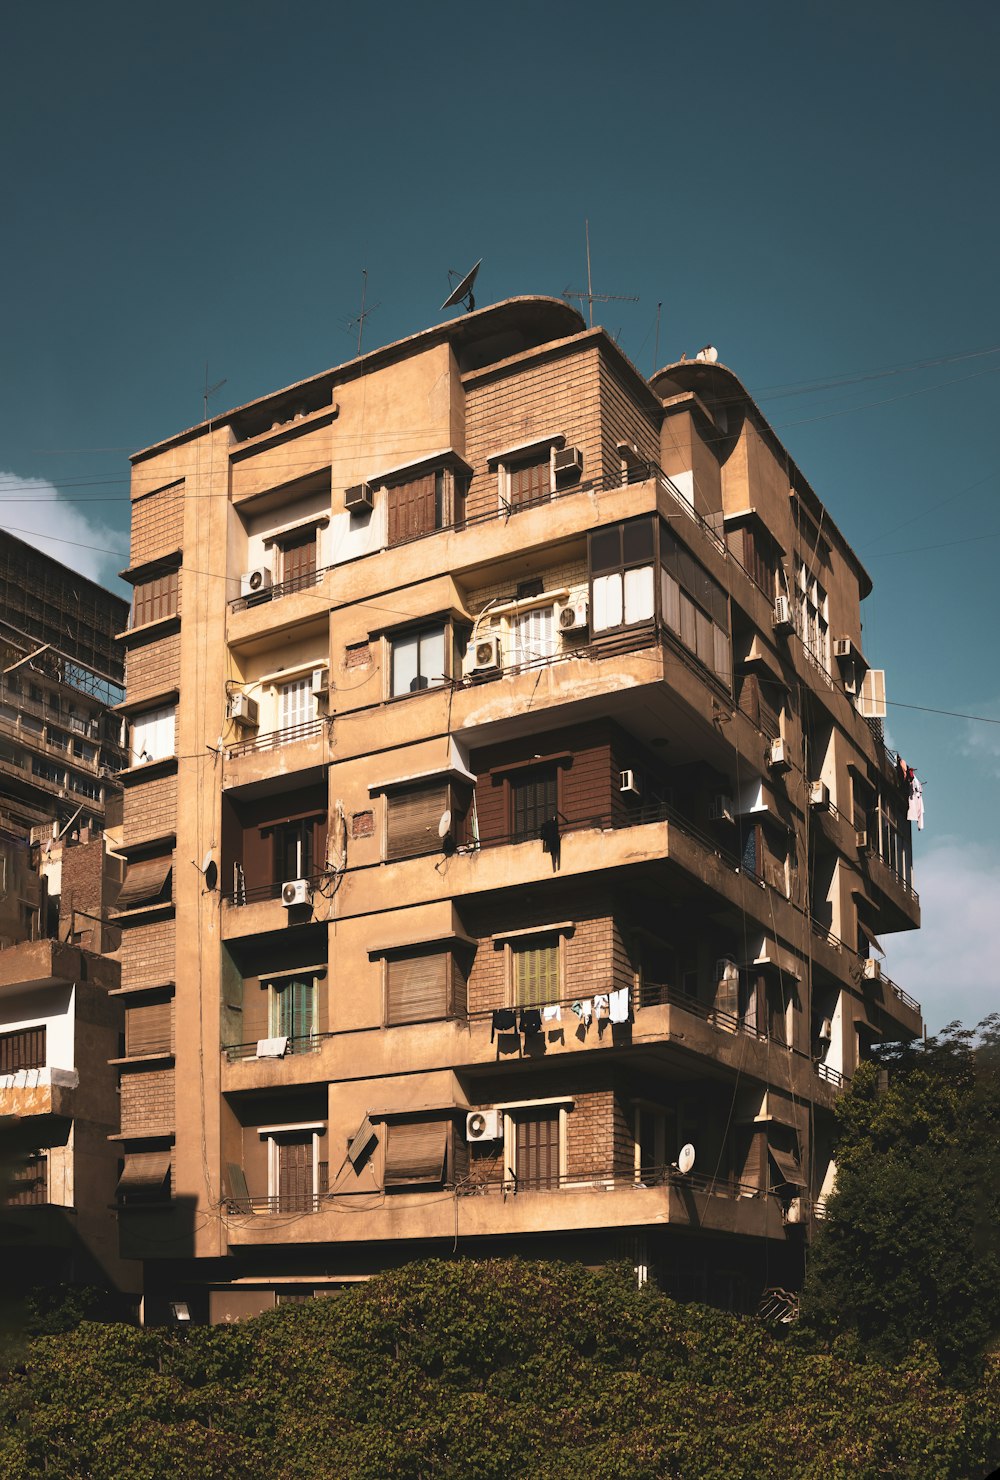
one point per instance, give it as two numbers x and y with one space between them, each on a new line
536 1150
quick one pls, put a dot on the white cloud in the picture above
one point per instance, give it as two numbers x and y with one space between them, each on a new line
952 964
34 510
981 743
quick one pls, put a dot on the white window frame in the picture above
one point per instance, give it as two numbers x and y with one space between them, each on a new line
523 1110
149 734
272 1134
390 641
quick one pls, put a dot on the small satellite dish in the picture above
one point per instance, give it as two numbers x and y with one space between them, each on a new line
206 861
685 1160
709 355
444 826
464 290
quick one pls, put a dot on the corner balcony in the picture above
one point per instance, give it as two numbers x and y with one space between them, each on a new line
30 1093
898 901
281 606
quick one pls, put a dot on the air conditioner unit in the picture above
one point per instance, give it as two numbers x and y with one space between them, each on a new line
861 837
777 756
871 969
782 614
294 891
252 582
574 618
359 497
819 795
243 710
720 809
826 1030
843 647
568 460
483 656
795 1211
629 784
483 1125
319 682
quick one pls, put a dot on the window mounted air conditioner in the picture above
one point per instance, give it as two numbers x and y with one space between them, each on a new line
861 837
843 647
243 710
629 784
253 582
826 1030
720 809
871 969
777 756
574 618
819 795
782 614
483 657
483 1125
358 498
568 460
294 892
319 683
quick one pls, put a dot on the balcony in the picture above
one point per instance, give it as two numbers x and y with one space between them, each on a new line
274 753
279 589
34 1092
899 902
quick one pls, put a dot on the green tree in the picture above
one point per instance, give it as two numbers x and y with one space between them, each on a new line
910 1250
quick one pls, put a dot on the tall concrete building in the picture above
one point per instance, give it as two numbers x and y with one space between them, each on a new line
509 821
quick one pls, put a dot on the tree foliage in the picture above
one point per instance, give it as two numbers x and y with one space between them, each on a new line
910 1250
483 1371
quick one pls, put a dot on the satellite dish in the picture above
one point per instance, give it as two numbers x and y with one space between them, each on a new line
709 355
685 1160
206 861
464 290
444 826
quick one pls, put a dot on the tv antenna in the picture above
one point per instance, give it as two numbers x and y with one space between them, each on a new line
463 293
359 318
210 390
590 297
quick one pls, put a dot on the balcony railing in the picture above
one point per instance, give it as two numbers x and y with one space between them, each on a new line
281 588
305 1043
29 1187
901 883
257 893
645 472
899 994
831 1076
272 739
607 1179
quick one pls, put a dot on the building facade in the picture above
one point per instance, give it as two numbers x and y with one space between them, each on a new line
507 811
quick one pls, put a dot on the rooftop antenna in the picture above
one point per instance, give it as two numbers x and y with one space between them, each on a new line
210 390
359 319
656 350
590 297
463 293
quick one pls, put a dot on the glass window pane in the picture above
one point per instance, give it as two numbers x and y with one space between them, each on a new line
607 602
637 541
432 657
689 635
640 603
405 669
706 647
723 667
671 598
605 549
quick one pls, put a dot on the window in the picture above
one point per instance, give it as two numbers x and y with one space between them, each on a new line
694 607
536 1149
153 735
298 558
421 986
814 618
147 881
417 660
535 971
531 636
293 848
296 703
758 554
416 1153
534 800
655 1134
293 1007
155 599
413 816
528 480
24 1049
297 1178
621 568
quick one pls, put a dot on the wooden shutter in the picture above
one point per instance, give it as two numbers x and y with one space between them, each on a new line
536 973
295 1174
155 599
298 558
24 1049
146 1170
149 1029
144 882
415 1153
412 819
413 508
417 987
537 1151
295 704
534 800
530 482
294 1014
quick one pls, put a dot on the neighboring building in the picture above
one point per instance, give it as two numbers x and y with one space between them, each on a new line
501 711
61 673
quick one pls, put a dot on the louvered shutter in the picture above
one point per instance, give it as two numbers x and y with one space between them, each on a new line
533 635
295 703
537 1151
298 558
145 1169
412 820
295 1175
417 988
415 1153
534 800
148 1029
144 881
412 508
536 973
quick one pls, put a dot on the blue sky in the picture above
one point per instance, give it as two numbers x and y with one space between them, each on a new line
810 187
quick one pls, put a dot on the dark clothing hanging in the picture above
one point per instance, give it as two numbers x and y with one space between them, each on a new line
504 1021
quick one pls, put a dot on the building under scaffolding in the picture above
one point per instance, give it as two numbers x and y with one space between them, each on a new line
61 674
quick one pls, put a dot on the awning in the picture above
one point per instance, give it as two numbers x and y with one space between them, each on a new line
415 1153
869 935
144 881
147 1169
788 1167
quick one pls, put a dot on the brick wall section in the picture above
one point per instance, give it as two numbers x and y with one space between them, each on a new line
623 419
148 954
569 575
589 1129
157 524
147 1102
153 668
90 883
150 809
587 952
555 394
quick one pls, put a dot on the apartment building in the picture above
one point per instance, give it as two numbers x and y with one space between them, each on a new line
509 826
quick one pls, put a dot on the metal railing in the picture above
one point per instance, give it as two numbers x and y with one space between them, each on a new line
646 472
901 883
608 1178
272 739
832 1076
897 991
257 893
304 1043
280 588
